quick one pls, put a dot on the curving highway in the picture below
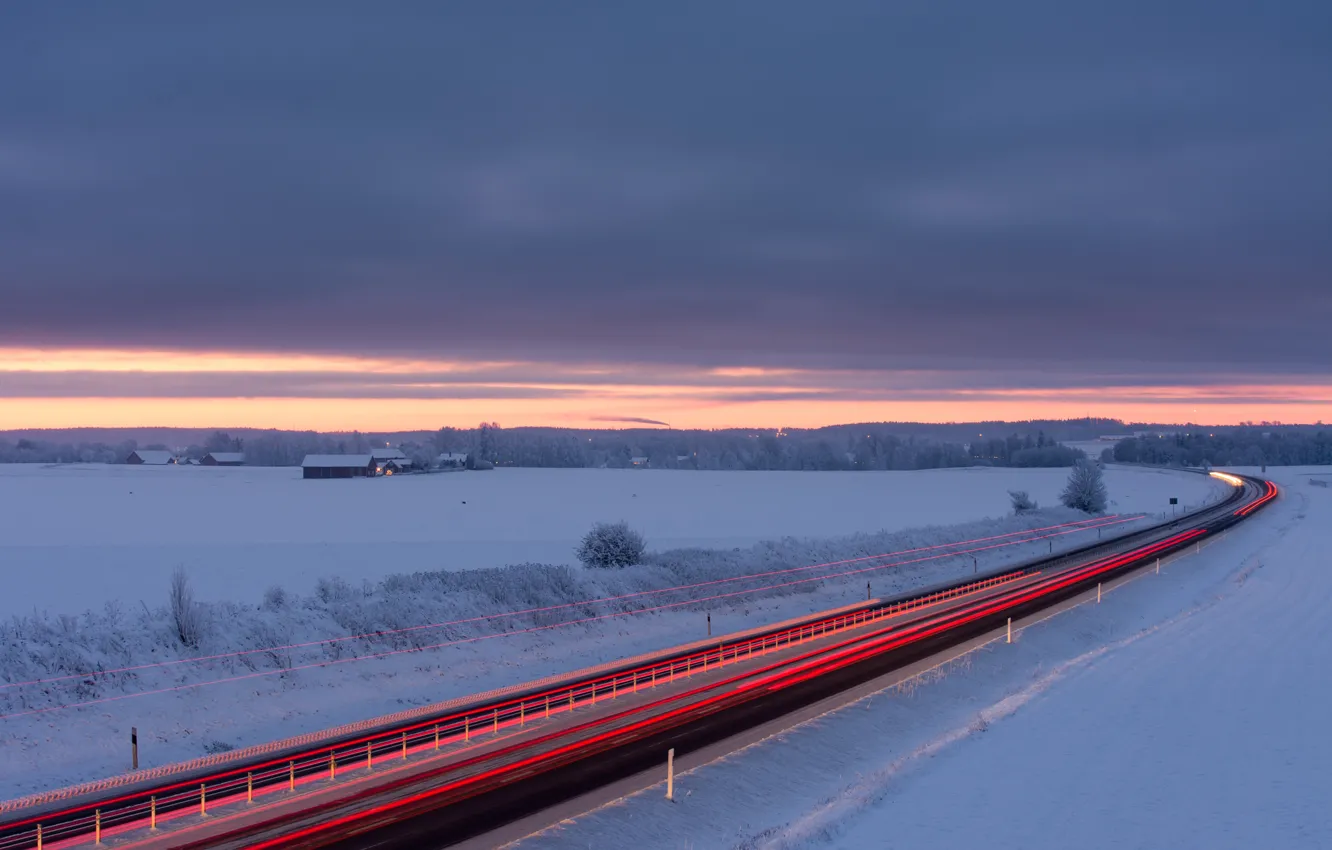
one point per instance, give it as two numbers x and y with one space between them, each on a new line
439 780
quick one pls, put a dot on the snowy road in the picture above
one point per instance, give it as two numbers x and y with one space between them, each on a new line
1187 710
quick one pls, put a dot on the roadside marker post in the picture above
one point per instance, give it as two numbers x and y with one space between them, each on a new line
1098 593
1010 629
134 746
670 774
39 836
404 746
1158 566
369 756
97 826
709 625
203 800
152 814
291 776
249 788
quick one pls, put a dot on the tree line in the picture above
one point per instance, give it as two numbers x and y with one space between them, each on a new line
840 447
1232 447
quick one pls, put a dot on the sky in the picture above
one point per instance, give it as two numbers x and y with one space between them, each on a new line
323 215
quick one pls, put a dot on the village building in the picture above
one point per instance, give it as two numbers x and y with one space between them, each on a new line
223 459
338 466
151 457
451 460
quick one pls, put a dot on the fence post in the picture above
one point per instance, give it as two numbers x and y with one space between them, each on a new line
670 774
1010 629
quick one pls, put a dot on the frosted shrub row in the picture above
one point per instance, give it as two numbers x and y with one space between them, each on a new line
41 646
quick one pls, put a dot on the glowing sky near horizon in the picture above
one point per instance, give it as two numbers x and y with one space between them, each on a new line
768 214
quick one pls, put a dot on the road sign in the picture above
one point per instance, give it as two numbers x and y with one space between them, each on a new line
1174 500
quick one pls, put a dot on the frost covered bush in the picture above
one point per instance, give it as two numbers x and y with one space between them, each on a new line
611 544
186 614
275 598
1085 490
1022 502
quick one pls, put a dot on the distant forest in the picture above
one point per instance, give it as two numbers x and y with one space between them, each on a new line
886 445
1248 446
841 447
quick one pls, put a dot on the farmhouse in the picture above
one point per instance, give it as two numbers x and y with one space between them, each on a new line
151 457
451 460
338 466
381 455
223 459
396 465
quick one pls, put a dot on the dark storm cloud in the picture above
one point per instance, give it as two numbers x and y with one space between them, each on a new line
965 185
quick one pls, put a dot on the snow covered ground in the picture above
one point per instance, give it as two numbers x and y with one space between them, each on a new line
1188 709
73 537
182 711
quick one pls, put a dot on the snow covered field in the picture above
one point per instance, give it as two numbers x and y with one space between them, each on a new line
1188 709
232 702
73 537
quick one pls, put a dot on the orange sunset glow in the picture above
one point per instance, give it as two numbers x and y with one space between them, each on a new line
389 393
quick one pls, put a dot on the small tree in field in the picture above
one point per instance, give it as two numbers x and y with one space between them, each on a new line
611 544
1022 502
186 615
1085 490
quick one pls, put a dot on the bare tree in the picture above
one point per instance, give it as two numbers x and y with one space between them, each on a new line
611 544
1085 490
185 612
1022 502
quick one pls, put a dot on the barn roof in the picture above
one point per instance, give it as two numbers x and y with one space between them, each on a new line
337 461
155 456
228 457
388 454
